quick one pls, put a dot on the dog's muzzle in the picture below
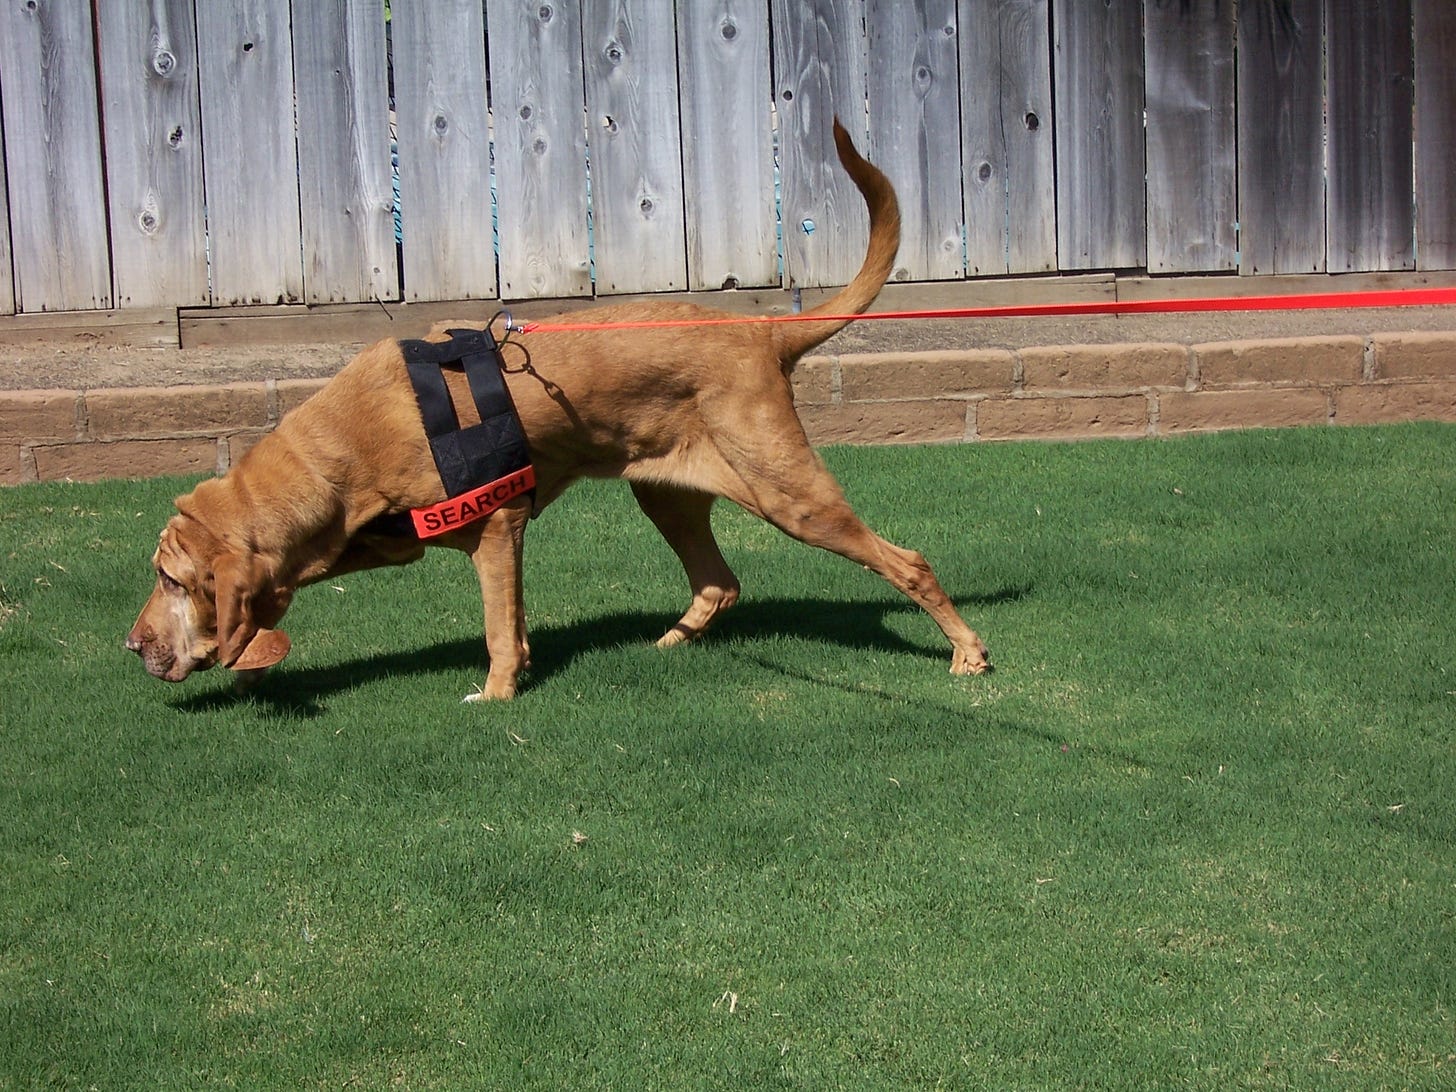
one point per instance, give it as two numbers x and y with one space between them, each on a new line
160 662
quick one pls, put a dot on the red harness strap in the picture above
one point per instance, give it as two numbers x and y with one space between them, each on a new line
458 511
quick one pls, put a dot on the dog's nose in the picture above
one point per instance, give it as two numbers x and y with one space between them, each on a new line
132 644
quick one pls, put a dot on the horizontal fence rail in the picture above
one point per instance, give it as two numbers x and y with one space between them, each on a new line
182 153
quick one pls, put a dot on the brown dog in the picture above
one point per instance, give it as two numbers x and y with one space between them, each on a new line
685 414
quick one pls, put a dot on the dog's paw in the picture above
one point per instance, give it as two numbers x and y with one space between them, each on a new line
489 692
971 661
678 635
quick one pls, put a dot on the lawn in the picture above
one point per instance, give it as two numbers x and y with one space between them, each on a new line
1195 831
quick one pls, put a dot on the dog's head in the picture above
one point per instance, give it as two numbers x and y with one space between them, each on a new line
210 605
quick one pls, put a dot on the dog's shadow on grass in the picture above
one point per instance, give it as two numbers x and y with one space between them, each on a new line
860 626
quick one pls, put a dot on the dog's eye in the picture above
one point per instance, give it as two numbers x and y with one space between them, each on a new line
167 581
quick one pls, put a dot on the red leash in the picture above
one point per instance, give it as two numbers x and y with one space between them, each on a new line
1397 297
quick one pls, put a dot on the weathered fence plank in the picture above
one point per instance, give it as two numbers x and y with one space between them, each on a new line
1435 38
1101 194
1007 155
819 61
1192 168
53 145
727 144
153 153
7 269
346 191
540 147
914 115
1281 136
443 135
250 160
634 137
1371 103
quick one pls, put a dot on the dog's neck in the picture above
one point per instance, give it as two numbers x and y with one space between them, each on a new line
280 507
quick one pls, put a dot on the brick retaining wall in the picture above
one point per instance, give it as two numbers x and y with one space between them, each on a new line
1048 392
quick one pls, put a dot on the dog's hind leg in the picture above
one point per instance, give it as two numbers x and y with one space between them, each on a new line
834 526
823 518
776 475
683 518
496 556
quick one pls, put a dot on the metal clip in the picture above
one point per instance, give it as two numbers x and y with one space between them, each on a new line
511 325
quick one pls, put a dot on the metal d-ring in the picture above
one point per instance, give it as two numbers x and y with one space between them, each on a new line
511 325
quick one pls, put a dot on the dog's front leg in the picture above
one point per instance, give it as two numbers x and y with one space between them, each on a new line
497 560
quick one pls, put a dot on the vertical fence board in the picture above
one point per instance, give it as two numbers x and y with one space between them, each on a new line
540 147
1007 156
150 115
1192 170
634 137
1281 136
444 150
914 113
1101 193
7 269
727 144
819 64
53 145
1371 103
346 191
1435 37
249 159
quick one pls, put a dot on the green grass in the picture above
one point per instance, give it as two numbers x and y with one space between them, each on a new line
1196 830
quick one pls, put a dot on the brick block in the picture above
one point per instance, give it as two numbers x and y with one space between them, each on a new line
12 465
39 416
1062 418
927 422
890 376
1104 367
814 381
169 411
89 462
1283 360
1415 356
1379 403
1203 411
292 393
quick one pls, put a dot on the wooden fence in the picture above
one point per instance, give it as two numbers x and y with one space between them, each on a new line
183 153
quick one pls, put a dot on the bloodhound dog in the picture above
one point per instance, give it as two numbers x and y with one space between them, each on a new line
685 413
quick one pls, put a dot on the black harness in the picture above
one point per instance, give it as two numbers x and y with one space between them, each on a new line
481 467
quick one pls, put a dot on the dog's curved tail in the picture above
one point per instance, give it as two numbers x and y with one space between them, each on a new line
793 339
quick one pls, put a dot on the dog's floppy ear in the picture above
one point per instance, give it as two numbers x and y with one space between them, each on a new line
267 648
246 605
